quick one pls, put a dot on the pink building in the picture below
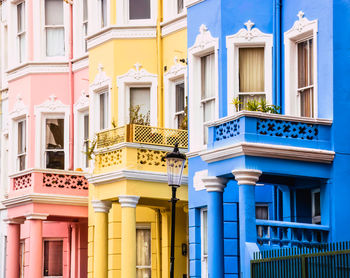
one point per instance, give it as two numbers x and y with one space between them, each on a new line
44 80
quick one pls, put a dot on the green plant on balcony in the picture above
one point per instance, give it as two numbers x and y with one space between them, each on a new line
136 117
256 105
236 102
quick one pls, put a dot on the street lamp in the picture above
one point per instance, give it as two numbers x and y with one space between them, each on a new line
175 164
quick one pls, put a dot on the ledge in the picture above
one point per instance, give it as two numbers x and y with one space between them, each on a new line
176 24
46 171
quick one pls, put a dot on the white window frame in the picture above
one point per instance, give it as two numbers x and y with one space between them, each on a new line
204 45
176 74
315 219
50 109
148 227
170 10
123 14
19 113
302 29
136 78
23 120
247 38
21 56
81 108
204 266
102 83
53 239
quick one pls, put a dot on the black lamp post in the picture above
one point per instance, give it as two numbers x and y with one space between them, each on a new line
175 164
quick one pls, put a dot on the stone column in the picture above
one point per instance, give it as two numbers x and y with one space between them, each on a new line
215 188
101 209
128 205
35 221
246 180
13 246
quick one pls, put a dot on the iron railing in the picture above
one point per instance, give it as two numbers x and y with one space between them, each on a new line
326 261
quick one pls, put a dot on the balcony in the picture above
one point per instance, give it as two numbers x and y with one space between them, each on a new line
136 147
275 234
47 181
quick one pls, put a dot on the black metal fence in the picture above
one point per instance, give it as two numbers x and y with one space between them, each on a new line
322 261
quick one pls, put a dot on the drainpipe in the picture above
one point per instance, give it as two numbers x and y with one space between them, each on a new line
277 34
160 97
71 88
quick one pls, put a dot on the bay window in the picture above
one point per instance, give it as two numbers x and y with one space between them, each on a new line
204 243
143 252
251 75
305 77
139 9
54 144
21 31
207 91
21 145
140 105
54 28
103 97
53 258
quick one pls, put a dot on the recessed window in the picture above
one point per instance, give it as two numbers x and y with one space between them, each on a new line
179 104
140 105
305 78
180 6
21 145
143 252
316 206
85 22
139 9
54 146
21 31
251 75
103 10
103 110
53 258
261 212
204 243
54 27
207 91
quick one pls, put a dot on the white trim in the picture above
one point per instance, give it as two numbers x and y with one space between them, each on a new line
120 33
36 216
102 84
123 14
128 201
302 29
268 150
147 176
204 260
214 184
80 63
204 44
174 25
133 78
198 183
50 109
190 3
101 206
246 176
247 37
177 73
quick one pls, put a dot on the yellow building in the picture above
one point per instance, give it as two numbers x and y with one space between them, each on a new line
137 71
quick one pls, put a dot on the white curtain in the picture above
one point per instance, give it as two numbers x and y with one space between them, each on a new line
143 253
54 28
251 69
141 97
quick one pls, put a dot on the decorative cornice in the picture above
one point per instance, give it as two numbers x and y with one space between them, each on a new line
131 175
4 93
262 115
246 176
83 101
176 69
17 221
248 34
135 75
36 216
101 79
190 3
19 108
120 33
301 25
80 63
51 105
46 171
45 199
101 206
268 150
128 201
204 40
174 25
214 184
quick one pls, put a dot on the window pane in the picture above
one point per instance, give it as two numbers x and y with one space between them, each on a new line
205 232
317 204
302 64
53 258
262 212
180 6
139 9
54 42
53 12
55 160
21 47
103 13
103 110
20 18
85 10
141 97
143 252
306 101
245 98
86 127
311 58
180 97
21 259
54 133
208 76
251 69
21 137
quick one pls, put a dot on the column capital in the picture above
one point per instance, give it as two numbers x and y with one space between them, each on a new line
214 184
36 216
14 221
246 176
128 201
101 206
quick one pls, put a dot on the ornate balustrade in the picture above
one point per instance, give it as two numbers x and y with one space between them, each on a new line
47 181
144 135
271 129
290 234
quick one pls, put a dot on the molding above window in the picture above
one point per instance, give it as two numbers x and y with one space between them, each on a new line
247 37
136 77
301 26
204 42
101 81
19 109
82 102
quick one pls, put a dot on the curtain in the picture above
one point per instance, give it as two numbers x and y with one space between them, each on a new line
208 76
54 133
53 258
54 41
141 97
143 253
262 212
251 69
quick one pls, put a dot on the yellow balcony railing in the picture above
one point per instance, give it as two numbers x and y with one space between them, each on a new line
144 135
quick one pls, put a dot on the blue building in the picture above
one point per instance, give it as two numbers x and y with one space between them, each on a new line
260 180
